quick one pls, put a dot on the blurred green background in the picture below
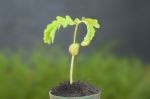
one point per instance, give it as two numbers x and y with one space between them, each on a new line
30 76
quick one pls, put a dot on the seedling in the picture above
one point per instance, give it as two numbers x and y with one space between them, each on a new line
50 31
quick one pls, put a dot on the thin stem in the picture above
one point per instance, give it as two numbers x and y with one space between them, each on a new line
73 57
71 69
75 33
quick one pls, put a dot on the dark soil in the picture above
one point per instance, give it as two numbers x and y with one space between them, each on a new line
76 89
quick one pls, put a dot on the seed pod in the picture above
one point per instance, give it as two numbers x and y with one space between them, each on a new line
74 49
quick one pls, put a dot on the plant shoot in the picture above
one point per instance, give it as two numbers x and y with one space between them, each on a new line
53 27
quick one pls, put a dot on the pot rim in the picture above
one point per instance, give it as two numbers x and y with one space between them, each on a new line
78 96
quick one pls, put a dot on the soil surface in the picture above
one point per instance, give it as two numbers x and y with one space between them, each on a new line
76 89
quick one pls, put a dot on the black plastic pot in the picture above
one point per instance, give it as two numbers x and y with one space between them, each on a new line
94 96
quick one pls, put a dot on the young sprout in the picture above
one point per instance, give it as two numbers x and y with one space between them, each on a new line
50 31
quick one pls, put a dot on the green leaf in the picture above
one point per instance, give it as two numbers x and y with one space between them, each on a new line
91 25
77 21
90 21
51 29
49 32
62 21
89 36
69 20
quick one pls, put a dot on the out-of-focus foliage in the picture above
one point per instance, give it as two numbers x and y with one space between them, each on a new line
31 77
